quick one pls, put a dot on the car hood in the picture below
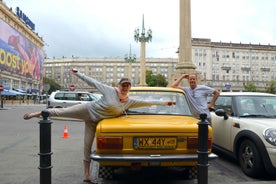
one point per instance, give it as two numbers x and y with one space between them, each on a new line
267 122
149 123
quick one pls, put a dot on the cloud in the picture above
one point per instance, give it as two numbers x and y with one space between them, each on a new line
105 28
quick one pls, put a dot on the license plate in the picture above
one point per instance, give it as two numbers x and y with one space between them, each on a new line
154 142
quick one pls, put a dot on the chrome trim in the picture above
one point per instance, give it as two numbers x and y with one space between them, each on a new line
147 158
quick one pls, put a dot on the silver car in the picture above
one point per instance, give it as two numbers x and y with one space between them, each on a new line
244 127
61 99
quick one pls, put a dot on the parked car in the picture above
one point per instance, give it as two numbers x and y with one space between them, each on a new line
61 99
155 136
244 127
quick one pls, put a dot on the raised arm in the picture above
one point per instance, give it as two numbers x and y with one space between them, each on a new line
143 103
176 83
91 82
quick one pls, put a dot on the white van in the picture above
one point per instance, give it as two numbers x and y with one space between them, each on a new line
60 99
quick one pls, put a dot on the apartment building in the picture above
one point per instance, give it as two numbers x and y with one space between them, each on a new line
225 66
229 66
106 70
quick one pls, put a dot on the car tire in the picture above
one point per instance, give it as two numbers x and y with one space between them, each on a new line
250 159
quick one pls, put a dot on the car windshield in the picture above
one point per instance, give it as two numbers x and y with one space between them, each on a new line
181 107
256 106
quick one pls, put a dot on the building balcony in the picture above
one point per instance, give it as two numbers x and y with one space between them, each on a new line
265 69
246 68
226 68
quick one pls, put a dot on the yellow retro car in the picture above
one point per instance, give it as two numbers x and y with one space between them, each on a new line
155 136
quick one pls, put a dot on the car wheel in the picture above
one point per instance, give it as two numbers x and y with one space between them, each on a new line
250 159
106 172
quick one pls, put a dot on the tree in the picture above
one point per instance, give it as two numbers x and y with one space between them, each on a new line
155 80
250 87
161 80
271 87
53 85
149 78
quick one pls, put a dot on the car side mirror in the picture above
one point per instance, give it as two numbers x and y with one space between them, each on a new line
221 112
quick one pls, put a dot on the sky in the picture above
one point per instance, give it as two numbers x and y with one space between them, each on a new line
105 28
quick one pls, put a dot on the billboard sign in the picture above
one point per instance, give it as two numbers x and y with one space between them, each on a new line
25 18
18 54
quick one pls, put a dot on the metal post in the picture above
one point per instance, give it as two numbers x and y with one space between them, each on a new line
143 37
202 166
1 100
45 149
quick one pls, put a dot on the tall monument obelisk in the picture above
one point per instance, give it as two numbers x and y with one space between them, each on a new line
185 63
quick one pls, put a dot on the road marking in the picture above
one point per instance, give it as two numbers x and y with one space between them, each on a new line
2 150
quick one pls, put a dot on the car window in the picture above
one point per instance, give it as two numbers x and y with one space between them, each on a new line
256 105
246 106
181 107
224 102
59 96
69 96
84 97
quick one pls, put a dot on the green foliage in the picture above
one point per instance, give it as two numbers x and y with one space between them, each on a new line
271 87
155 80
250 87
149 78
53 85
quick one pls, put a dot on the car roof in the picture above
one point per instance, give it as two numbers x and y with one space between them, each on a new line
71 91
156 89
246 94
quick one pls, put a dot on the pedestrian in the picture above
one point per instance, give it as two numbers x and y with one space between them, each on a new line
113 103
197 95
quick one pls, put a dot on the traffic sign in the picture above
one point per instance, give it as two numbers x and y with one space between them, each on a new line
72 87
46 87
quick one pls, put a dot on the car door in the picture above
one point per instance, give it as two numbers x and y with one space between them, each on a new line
222 129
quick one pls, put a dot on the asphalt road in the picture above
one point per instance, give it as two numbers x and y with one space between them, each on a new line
19 148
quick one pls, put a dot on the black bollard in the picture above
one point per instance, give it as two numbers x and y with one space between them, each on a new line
202 166
45 149
1 100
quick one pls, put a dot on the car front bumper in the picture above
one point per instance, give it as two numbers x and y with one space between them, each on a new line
147 158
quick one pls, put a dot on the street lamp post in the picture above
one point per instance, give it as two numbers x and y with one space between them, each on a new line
129 58
142 38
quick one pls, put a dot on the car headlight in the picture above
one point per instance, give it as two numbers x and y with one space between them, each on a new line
270 135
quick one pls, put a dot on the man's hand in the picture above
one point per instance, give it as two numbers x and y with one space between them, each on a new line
211 107
73 71
185 76
170 103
